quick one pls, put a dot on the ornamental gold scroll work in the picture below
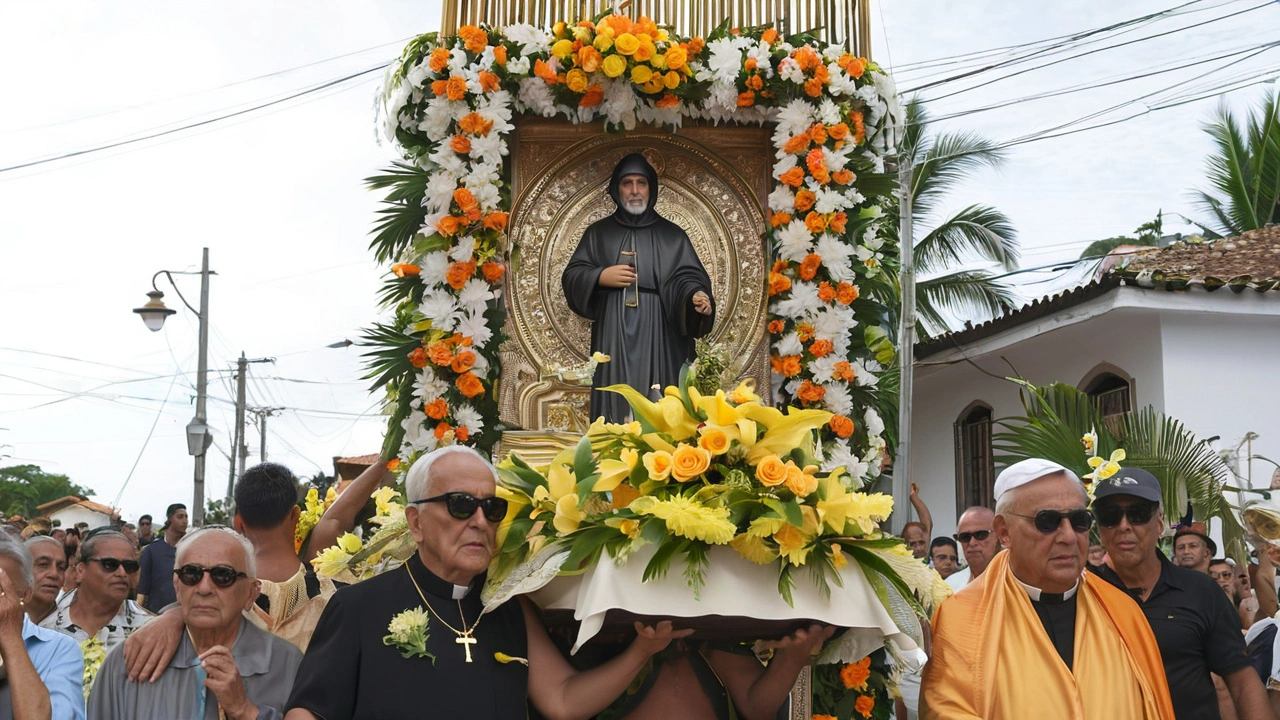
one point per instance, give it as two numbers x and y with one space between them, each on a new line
712 183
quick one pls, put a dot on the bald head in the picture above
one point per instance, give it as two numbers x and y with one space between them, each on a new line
977 540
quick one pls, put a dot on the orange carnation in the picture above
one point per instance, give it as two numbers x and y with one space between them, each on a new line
797 144
437 409
854 675
804 331
776 326
838 132
448 225
787 366
826 293
475 123
809 392
668 101
489 82
821 348
405 269
492 271
440 352
496 221
841 426
778 283
441 429
462 433
819 133
475 39
749 65
592 97
544 71
439 59
809 266
457 88
746 99
500 54
465 360
469 385
856 67
807 58
837 223
804 199
459 273
813 87
755 82
816 222
439 87
859 130
843 176
865 705
779 218
816 161
461 144
846 293
418 358
843 371
769 36
793 177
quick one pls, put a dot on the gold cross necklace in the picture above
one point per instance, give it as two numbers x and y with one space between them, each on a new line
465 635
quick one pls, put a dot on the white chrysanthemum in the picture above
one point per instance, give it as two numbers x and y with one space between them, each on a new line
761 53
724 60
841 85
823 369
418 74
872 422
672 117
489 196
782 199
481 368
789 344
531 40
488 147
793 118
837 398
437 119
474 326
463 248
828 111
803 301
433 268
863 376
466 416
794 241
829 201
440 306
832 323
838 455
837 159
457 64
429 222
405 625
416 434
783 163
535 97
474 296
790 70
519 66
428 386
448 160
836 257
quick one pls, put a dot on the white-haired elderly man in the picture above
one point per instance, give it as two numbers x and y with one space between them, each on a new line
225 667
1035 635
413 641
40 670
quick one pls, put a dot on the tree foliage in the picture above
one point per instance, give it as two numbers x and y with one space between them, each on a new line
1243 171
23 488
1148 234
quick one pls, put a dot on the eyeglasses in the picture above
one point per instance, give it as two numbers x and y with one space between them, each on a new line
1109 515
463 505
224 576
1048 521
978 535
941 558
110 565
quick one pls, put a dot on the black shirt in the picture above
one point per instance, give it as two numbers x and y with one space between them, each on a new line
1059 619
1198 633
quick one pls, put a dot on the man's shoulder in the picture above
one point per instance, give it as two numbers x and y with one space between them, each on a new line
1197 584
56 641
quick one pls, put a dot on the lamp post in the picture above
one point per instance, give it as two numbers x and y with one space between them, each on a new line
154 313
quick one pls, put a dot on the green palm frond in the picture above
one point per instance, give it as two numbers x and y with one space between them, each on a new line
1057 418
401 216
967 292
1243 170
942 161
978 232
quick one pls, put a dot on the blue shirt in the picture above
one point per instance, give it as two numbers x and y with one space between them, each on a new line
156 578
60 665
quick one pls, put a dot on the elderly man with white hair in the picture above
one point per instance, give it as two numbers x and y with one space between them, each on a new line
225 667
1035 635
40 670
413 641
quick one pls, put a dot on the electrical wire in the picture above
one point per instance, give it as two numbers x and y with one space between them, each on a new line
143 449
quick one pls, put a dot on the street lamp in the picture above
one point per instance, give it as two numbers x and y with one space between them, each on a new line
153 314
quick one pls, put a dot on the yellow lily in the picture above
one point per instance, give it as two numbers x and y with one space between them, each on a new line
835 505
783 433
613 472
666 416
516 501
568 514
795 543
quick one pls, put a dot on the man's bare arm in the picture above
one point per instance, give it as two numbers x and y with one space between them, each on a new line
926 517
758 691
1249 695
341 516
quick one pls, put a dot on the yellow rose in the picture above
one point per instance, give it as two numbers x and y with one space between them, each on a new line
654 85
645 50
562 49
800 482
771 471
576 80
558 29
659 62
671 80
582 34
640 74
614 65
658 463
689 462
676 57
626 43
603 42
714 441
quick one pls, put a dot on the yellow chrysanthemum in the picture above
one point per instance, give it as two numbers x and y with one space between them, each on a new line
754 549
331 562
688 518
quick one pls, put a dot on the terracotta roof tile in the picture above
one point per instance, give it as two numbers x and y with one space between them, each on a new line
1251 259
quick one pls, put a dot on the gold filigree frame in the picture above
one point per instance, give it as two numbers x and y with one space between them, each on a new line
712 183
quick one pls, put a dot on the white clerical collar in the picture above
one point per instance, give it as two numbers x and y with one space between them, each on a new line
1035 593
460 591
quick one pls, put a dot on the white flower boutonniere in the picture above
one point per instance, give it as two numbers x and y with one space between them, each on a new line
408 634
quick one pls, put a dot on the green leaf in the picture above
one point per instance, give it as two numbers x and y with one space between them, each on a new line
584 463
787 583
657 567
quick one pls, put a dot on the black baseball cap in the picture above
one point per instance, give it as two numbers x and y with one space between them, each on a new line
1129 481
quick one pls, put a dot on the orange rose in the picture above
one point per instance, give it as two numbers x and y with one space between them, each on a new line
466 201
769 36
457 88
589 59
469 385
854 675
846 293
544 71
714 441
800 482
418 358
816 222
779 265
475 123
777 219
809 266
496 221
843 176
676 57
500 54
819 133
859 130
750 64
865 705
441 429
448 225
658 463
816 161
463 361
841 426
462 433
439 59
440 352
797 144
437 409
778 283
821 348
459 273
822 74
592 97
837 223
793 177
804 200
826 293
489 82
809 392
492 271
688 462
776 326
787 366
460 144
843 371
856 67
405 269
771 472
838 132
807 58
746 99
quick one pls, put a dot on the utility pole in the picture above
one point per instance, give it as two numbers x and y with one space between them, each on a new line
200 423
239 447
906 341
262 414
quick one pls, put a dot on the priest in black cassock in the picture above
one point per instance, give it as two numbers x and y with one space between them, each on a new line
636 276
355 668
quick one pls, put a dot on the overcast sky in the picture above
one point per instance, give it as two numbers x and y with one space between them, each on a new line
277 196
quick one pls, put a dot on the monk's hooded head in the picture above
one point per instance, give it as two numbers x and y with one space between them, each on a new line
634 188
453 512
1042 519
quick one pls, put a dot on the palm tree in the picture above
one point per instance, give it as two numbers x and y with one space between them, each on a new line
976 234
1244 172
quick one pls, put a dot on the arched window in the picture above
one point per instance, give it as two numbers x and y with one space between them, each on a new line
1111 390
975 468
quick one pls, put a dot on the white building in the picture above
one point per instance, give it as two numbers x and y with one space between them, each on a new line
1167 330
72 509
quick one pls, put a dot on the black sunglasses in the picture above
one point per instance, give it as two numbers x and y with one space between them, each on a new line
463 505
1048 521
1109 515
224 576
978 535
112 564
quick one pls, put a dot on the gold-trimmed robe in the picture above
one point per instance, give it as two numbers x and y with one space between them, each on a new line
993 660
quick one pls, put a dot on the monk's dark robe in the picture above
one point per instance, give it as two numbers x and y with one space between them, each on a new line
349 673
647 343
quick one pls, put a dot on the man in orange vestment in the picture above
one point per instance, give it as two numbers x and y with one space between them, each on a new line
1034 635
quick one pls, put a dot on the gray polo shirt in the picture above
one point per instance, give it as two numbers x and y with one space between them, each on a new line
267 664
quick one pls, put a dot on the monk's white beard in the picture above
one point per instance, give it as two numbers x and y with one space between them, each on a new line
635 207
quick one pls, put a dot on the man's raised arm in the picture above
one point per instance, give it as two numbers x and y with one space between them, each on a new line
341 516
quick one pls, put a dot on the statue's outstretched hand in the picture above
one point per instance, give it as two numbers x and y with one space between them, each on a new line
702 303
617 276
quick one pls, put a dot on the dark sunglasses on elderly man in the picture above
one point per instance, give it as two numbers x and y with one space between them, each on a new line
1048 521
224 576
1109 515
978 535
110 565
463 505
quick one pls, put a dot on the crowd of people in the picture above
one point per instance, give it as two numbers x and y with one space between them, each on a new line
1065 606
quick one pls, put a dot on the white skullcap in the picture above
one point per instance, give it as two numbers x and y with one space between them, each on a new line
1025 471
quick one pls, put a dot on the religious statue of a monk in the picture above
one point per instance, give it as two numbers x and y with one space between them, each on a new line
636 276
